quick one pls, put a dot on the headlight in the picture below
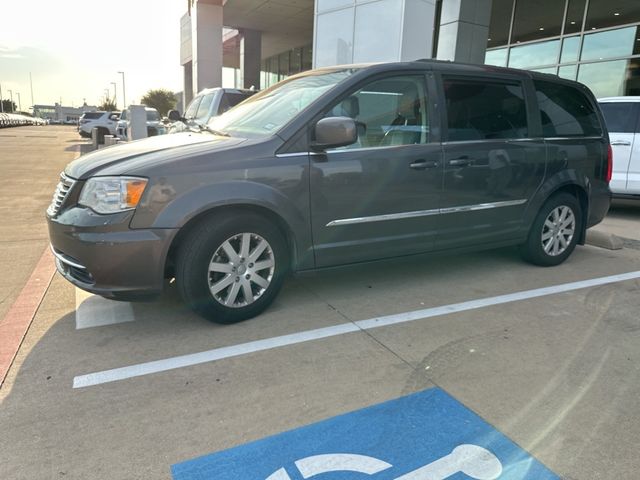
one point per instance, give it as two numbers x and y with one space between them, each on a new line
112 194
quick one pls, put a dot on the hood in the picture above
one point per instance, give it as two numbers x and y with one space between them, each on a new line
150 149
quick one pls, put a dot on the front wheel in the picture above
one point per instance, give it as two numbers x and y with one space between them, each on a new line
230 268
554 232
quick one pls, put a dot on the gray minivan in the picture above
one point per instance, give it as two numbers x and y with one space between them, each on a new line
335 166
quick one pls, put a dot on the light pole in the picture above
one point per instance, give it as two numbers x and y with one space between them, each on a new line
19 104
115 95
124 95
11 105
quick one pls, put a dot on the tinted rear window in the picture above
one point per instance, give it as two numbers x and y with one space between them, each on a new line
230 100
619 117
92 115
565 111
481 110
152 116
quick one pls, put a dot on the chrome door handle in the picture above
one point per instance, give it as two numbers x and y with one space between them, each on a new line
460 162
621 142
423 164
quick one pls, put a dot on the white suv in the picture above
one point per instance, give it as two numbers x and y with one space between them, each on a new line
154 124
210 102
622 115
105 122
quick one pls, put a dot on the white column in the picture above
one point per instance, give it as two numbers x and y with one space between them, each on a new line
347 31
206 40
464 30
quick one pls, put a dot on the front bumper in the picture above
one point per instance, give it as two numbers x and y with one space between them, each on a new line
102 255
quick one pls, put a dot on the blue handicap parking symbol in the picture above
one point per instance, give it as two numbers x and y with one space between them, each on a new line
425 436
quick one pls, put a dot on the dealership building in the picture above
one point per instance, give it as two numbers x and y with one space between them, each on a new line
245 43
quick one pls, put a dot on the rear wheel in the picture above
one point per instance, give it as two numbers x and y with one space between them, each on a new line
230 268
555 230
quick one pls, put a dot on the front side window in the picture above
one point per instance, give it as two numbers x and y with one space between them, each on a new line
388 112
485 110
565 111
192 108
203 109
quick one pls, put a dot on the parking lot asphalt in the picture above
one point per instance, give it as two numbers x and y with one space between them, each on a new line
557 373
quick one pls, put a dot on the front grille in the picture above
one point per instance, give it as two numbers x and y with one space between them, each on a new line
62 190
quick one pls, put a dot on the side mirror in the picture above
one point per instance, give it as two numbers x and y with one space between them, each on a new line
174 115
333 132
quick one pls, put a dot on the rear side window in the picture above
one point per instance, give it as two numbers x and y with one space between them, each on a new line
565 111
92 115
619 117
230 100
485 109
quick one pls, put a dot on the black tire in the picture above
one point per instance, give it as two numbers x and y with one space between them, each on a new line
534 251
197 250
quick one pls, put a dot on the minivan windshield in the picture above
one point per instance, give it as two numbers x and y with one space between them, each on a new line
266 112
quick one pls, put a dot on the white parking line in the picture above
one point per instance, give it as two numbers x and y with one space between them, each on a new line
95 311
172 363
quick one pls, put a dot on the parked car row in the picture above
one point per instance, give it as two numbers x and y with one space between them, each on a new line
19 120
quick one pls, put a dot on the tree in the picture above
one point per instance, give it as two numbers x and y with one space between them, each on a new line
108 105
8 106
160 99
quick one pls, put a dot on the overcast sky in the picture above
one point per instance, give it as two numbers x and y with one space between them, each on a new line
74 49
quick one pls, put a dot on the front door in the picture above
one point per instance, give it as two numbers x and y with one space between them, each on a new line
491 165
380 196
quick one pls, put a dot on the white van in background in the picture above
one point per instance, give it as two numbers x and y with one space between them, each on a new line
622 115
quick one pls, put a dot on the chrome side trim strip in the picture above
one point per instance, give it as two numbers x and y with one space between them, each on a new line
482 206
382 218
297 154
425 213
64 259
591 137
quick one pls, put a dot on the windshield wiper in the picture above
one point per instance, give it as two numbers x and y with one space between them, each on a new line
215 132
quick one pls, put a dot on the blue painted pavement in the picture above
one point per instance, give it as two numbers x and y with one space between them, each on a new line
425 436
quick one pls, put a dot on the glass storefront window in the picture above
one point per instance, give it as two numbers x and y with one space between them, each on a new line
610 44
609 13
534 54
536 20
307 58
499 24
570 49
605 79
575 16
496 57
283 67
568 71
295 65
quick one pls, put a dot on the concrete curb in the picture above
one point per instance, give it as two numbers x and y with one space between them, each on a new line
602 239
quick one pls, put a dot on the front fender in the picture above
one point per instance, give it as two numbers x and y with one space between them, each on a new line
293 208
